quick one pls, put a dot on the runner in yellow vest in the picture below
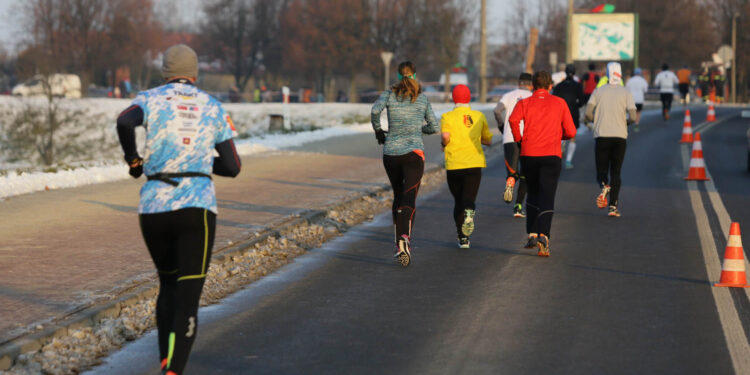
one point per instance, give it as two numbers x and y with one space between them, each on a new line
464 131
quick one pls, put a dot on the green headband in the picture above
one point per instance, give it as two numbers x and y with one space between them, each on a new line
413 76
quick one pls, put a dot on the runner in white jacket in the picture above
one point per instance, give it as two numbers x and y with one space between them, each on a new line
638 87
512 149
666 81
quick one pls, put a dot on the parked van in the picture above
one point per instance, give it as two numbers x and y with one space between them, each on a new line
456 79
61 85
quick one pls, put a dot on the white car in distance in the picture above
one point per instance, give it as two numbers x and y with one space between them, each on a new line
60 85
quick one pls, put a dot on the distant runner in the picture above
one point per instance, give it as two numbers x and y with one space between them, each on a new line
464 131
177 210
403 149
560 75
683 77
608 108
589 80
719 81
638 87
666 81
511 148
572 92
547 122
704 82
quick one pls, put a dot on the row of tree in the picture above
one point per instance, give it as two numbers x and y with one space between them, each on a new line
313 41
319 39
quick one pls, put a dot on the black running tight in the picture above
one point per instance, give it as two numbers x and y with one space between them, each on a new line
542 174
180 243
610 153
405 173
464 185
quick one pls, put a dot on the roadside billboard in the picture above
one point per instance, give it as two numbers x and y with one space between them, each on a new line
599 37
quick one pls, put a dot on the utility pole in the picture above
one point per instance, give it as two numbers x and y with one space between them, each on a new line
734 57
568 54
386 56
483 55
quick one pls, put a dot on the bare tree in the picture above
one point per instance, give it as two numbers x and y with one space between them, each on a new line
86 36
240 33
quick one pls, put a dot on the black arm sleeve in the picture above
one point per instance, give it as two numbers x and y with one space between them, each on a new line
126 123
228 163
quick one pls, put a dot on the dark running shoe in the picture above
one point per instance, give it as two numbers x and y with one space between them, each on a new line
518 211
531 243
613 211
542 242
403 253
463 243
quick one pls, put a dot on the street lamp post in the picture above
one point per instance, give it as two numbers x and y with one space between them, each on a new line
386 56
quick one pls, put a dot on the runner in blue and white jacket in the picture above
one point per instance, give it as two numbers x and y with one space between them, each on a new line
177 209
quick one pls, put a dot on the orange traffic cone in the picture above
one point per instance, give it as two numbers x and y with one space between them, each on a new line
687 129
711 115
733 268
697 165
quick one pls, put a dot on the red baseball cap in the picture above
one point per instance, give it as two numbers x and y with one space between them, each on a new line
461 94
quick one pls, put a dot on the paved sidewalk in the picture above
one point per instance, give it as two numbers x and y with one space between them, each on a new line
63 250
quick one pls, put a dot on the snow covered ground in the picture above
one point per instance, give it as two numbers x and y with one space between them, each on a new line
312 122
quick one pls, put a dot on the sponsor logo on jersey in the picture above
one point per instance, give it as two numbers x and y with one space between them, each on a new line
468 121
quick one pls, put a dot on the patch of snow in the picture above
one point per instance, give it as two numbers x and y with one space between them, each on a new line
253 120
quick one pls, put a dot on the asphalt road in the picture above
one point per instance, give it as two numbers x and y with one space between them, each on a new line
617 296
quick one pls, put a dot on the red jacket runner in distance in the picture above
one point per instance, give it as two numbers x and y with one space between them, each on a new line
546 120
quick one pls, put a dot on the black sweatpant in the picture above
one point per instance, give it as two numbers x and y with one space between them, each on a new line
180 243
609 155
542 174
666 101
512 151
464 185
405 173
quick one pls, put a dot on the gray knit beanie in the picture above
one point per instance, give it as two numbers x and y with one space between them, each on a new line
179 61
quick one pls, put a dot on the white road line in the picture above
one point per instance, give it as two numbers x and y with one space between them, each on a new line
721 210
739 349
706 126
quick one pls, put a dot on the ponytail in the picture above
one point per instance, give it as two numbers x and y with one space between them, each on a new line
407 85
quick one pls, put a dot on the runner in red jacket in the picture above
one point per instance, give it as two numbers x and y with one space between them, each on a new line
547 121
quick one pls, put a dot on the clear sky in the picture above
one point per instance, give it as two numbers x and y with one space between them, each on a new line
10 29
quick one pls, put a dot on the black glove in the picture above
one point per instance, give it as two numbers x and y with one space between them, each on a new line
136 166
380 136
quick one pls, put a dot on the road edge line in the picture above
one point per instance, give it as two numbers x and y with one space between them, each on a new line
734 333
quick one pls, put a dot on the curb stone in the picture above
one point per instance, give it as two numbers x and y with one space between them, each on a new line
148 288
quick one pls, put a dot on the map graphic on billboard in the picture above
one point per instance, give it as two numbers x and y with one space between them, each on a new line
603 36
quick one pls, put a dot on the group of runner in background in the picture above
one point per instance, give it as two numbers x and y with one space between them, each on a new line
534 120
538 121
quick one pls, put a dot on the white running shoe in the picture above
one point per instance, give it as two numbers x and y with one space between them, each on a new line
467 228
403 253
601 200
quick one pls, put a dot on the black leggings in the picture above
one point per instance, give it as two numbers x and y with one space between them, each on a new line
405 173
180 243
542 174
666 101
610 153
512 152
464 185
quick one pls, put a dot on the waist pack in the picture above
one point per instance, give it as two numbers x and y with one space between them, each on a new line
168 177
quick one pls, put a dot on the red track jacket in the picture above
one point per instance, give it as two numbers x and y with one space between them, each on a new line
546 120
